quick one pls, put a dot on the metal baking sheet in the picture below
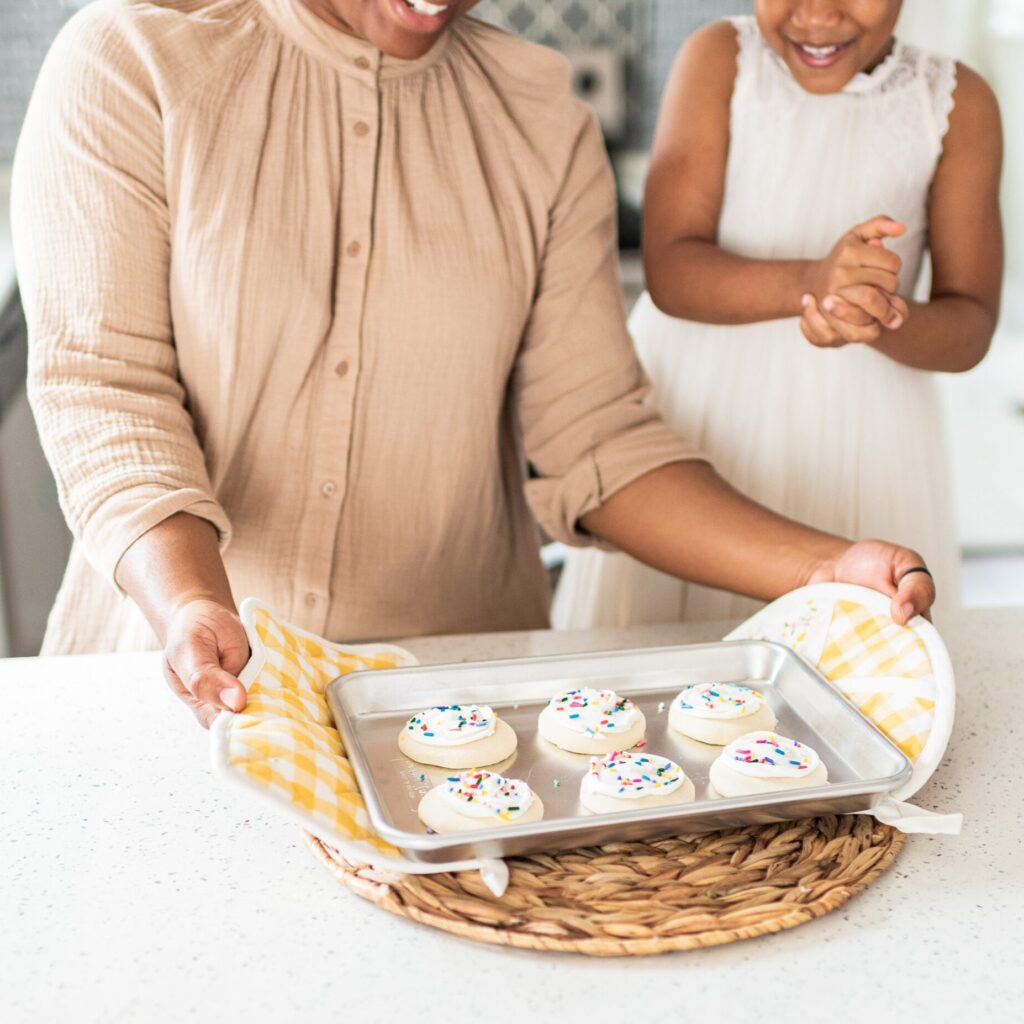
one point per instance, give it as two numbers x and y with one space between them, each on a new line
370 709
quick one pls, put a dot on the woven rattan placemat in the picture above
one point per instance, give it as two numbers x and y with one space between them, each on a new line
633 899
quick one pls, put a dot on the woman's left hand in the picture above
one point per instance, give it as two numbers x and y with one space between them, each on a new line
883 567
684 519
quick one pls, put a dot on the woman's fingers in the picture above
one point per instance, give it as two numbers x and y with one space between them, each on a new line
212 685
205 713
206 648
196 661
915 592
884 567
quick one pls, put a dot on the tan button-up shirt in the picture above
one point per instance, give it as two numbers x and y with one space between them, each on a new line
331 302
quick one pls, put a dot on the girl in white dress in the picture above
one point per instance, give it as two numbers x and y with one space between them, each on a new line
798 363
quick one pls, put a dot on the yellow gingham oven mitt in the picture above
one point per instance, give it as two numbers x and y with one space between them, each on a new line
284 747
898 677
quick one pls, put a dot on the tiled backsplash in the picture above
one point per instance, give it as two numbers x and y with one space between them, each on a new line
671 22
27 27
646 32
618 24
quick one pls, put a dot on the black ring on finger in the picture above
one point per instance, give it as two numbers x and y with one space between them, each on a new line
917 568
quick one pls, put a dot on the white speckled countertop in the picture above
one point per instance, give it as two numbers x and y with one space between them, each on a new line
136 888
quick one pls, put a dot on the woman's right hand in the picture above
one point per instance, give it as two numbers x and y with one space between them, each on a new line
175 575
205 651
856 284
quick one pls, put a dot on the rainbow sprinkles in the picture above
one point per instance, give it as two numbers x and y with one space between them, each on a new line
634 776
593 712
482 794
768 755
720 700
449 725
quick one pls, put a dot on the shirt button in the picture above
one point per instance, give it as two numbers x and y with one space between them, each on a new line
354 249
310 599
342 368
362 63
361 128
327 488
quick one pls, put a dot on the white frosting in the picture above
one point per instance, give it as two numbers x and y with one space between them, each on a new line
719 700
452 725
767 755
634 776
593 712
481 794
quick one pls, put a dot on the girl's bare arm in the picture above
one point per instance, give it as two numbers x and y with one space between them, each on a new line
953 329
688 275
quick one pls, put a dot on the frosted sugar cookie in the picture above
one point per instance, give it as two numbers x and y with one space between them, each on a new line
587 721
719 713
457 736
763 762
478 799
624 781
434 776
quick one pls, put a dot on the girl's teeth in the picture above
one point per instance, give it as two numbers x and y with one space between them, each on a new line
819 51
423 7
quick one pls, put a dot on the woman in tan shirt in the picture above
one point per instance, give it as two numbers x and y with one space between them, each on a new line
308 282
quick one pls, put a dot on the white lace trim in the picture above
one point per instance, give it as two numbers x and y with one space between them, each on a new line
897 70
748 38
940 76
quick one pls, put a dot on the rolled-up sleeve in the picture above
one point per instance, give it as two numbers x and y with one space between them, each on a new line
91 239
579 389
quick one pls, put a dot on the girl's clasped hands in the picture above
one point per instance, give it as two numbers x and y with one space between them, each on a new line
853 290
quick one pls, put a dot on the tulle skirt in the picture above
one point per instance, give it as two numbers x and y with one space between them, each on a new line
844 439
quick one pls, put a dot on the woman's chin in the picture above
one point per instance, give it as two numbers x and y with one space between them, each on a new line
403 49
408 34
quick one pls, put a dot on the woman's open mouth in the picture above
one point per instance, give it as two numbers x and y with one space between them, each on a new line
422 15
822 55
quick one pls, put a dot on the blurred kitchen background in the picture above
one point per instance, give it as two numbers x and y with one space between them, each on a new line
621 51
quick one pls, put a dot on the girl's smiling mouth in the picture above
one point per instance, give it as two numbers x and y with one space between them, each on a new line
820 55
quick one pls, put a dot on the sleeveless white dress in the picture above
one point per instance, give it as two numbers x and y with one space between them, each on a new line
844 439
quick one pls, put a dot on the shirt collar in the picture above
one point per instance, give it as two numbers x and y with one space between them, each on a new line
346 53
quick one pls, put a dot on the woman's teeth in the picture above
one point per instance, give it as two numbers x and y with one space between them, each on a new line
422 7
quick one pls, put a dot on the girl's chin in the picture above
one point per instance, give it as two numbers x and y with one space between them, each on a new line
819 80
